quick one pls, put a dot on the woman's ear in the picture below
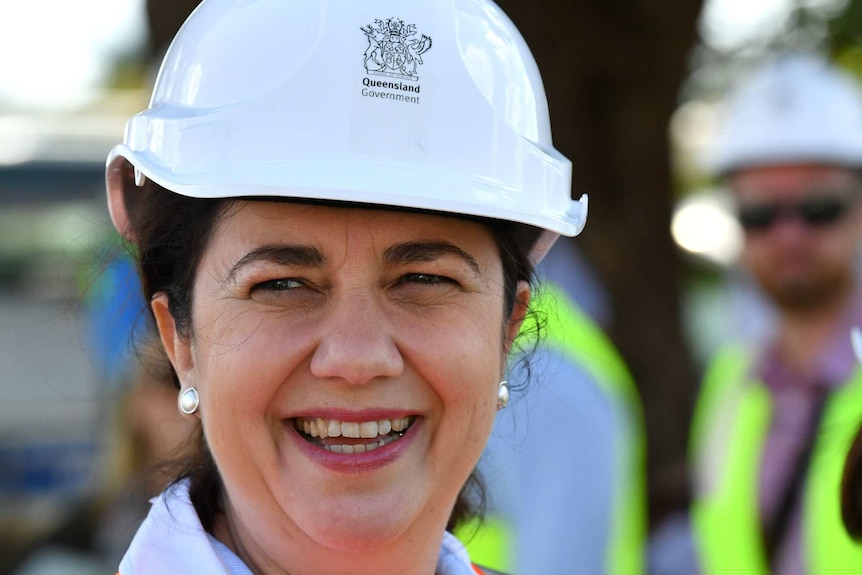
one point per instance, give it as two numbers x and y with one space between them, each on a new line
177 348
519 312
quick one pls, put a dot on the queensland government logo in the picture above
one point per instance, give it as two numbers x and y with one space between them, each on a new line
394 52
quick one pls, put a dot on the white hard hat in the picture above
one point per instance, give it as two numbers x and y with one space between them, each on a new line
428 104
798 108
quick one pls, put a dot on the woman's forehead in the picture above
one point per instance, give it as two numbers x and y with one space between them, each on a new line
260 222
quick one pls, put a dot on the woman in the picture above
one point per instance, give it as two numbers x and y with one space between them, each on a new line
336 212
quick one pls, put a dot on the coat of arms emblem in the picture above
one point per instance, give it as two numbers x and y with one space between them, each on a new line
393 50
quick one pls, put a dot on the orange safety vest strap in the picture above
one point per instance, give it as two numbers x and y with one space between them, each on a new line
485 571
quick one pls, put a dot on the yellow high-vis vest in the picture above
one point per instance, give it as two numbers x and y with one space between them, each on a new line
729 429
568 330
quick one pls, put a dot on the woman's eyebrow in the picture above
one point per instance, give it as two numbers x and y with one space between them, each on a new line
283 254
426 251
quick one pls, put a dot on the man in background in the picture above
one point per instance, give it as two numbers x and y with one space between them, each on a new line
773 422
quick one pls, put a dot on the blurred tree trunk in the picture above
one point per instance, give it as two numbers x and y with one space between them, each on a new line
612 70
164 18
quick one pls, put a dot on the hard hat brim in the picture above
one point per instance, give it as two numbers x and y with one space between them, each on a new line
360 183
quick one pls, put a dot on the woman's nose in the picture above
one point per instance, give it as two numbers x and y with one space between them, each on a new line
356 343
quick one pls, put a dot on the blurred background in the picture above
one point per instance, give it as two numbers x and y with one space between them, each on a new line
632 86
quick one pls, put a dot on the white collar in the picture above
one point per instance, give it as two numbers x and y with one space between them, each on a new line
172 541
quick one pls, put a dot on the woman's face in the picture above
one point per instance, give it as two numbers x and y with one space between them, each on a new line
347 362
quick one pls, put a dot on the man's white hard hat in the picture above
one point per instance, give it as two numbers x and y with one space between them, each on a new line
796 108
428 104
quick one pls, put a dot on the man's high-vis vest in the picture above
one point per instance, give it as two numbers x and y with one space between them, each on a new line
571 332
729 430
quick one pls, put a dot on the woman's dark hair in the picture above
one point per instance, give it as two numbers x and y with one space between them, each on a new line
171 235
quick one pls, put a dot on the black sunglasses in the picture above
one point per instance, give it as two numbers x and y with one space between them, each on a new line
814 212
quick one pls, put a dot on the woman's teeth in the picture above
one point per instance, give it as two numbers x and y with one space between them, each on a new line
324 428
384 430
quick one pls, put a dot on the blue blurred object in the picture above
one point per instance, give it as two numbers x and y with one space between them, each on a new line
116 318
38 468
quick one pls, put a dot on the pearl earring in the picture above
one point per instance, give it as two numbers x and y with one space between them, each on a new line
502 395
189 401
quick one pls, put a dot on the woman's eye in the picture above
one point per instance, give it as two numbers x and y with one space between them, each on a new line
428 279
282 284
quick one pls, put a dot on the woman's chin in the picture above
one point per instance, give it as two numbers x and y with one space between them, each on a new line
348 533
